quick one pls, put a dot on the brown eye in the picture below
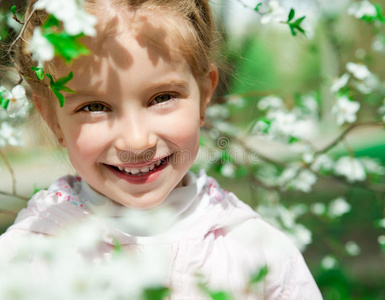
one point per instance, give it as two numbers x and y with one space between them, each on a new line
94 107
162 98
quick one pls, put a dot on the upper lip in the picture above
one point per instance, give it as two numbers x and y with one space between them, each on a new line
140 164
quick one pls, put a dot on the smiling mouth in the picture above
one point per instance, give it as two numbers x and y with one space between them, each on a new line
145 170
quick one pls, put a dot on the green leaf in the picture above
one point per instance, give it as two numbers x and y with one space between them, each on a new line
39 72
220 296
13 9
50 78
36 190
291 15
66 46
293 139
59 96
296 26
117 247
156 293
64 89
4 103
50 22
259 275
65 79
58 85
256 8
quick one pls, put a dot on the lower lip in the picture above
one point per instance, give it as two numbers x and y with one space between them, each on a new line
141 179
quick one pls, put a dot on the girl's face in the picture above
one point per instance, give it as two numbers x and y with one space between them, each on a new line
132 129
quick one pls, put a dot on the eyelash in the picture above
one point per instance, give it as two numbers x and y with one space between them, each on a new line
86 108
172 96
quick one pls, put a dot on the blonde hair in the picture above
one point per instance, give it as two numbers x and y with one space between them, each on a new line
196 39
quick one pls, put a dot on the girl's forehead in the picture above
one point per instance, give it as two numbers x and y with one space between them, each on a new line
151 28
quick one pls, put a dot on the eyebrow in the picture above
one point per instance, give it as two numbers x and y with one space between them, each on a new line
181 85
79 94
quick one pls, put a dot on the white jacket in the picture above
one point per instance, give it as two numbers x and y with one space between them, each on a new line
224 241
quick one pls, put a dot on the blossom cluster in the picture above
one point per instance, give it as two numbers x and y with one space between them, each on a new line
69 266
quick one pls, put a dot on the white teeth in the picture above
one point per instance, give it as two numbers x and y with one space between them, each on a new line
141 170
135 171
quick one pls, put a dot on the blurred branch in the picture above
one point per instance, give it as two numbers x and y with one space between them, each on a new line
14 196
8 212
10 170
343 135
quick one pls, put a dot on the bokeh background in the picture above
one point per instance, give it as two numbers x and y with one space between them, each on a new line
343 252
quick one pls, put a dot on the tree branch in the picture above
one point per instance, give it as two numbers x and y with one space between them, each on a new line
14 196
8 212
10 170
344 133
9 53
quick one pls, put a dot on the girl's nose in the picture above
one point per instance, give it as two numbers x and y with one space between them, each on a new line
135 136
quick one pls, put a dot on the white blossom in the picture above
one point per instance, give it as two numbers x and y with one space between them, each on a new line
216 111
311 105
362 9
372 166
351 168
318 208
359 71
228 170
71 12
11 22
329 262
381 240
345 110
382 223
379 44
301 236
18 102
367 85
340 83
352 248
308 157
42 50
52 268
301 180
322 162
10 136
275 13
270 102
338 207
260 127
82 22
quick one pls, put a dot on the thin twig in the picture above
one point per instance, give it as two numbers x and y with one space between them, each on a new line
9 53
10 170
14 196
21 32
344 133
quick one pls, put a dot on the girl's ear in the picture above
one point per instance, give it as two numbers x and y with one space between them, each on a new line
210 84
49 117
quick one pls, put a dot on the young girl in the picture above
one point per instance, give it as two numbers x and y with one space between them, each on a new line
132 132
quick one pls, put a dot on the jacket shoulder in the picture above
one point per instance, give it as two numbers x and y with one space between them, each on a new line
48 210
